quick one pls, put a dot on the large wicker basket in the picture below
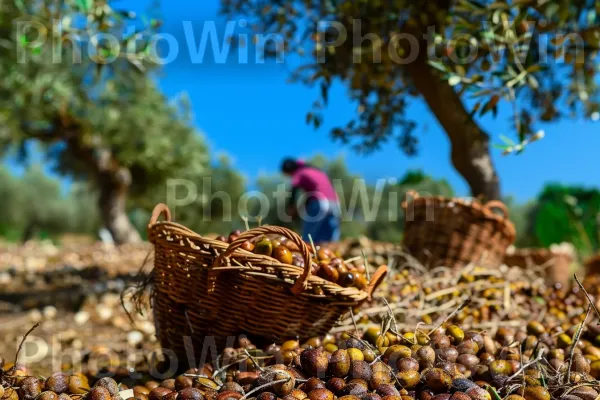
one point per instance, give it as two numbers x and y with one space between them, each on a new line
557 265
455 232
207 292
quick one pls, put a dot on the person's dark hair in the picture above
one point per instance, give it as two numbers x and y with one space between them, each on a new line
289 165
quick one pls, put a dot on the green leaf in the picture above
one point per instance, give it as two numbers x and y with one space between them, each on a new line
490 105
84 5
507 140
439 66
474 110
324 93
454 80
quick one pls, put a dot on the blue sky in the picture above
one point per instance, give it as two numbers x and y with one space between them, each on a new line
252 114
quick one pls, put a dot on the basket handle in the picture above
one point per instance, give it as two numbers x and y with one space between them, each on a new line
300 284
497 204
376 280
160 208
411 193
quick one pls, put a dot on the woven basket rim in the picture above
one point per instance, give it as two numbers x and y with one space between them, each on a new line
467 206
352 294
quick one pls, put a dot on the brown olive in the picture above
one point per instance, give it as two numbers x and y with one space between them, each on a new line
361 370
535 328
447 354
477 393
157 393
232 386
387 390
266 396
380 375
440 342
438 380
407 364
312 384
468 360
76 385
298 394
314 362
396 352
321 394
468 347
48 395
152 384
361 282
580 364
282 254
460 396
140 390
10 394
347 279
190 393
248 246
426 356
329 272
336 385
109 384
169 384
229 395
30 388
352 388
99 393
585 393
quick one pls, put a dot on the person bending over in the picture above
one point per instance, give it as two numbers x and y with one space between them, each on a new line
320 213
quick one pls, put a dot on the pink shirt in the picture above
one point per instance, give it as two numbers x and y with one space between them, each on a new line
315 182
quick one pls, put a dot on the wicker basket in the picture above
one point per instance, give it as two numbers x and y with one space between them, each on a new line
557 264
207 292
454 232
592 265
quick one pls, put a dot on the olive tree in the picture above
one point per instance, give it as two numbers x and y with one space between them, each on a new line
462 57
77 77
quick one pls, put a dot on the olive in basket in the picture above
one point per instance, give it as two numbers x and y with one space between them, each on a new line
264 246
282 254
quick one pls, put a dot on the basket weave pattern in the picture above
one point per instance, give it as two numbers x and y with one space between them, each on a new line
208 288
454 232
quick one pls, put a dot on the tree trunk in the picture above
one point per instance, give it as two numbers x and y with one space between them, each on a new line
113 183
112 179
470 144
114 187
29 231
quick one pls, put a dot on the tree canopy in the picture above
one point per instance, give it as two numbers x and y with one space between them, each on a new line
84 88
462 57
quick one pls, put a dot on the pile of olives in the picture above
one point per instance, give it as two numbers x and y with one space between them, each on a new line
325 263
447 363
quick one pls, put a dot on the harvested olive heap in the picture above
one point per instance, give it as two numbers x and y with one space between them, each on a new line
325 263
441 364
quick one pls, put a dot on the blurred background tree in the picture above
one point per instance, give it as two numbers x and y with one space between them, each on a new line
99 116
35 206
568 213
537 55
